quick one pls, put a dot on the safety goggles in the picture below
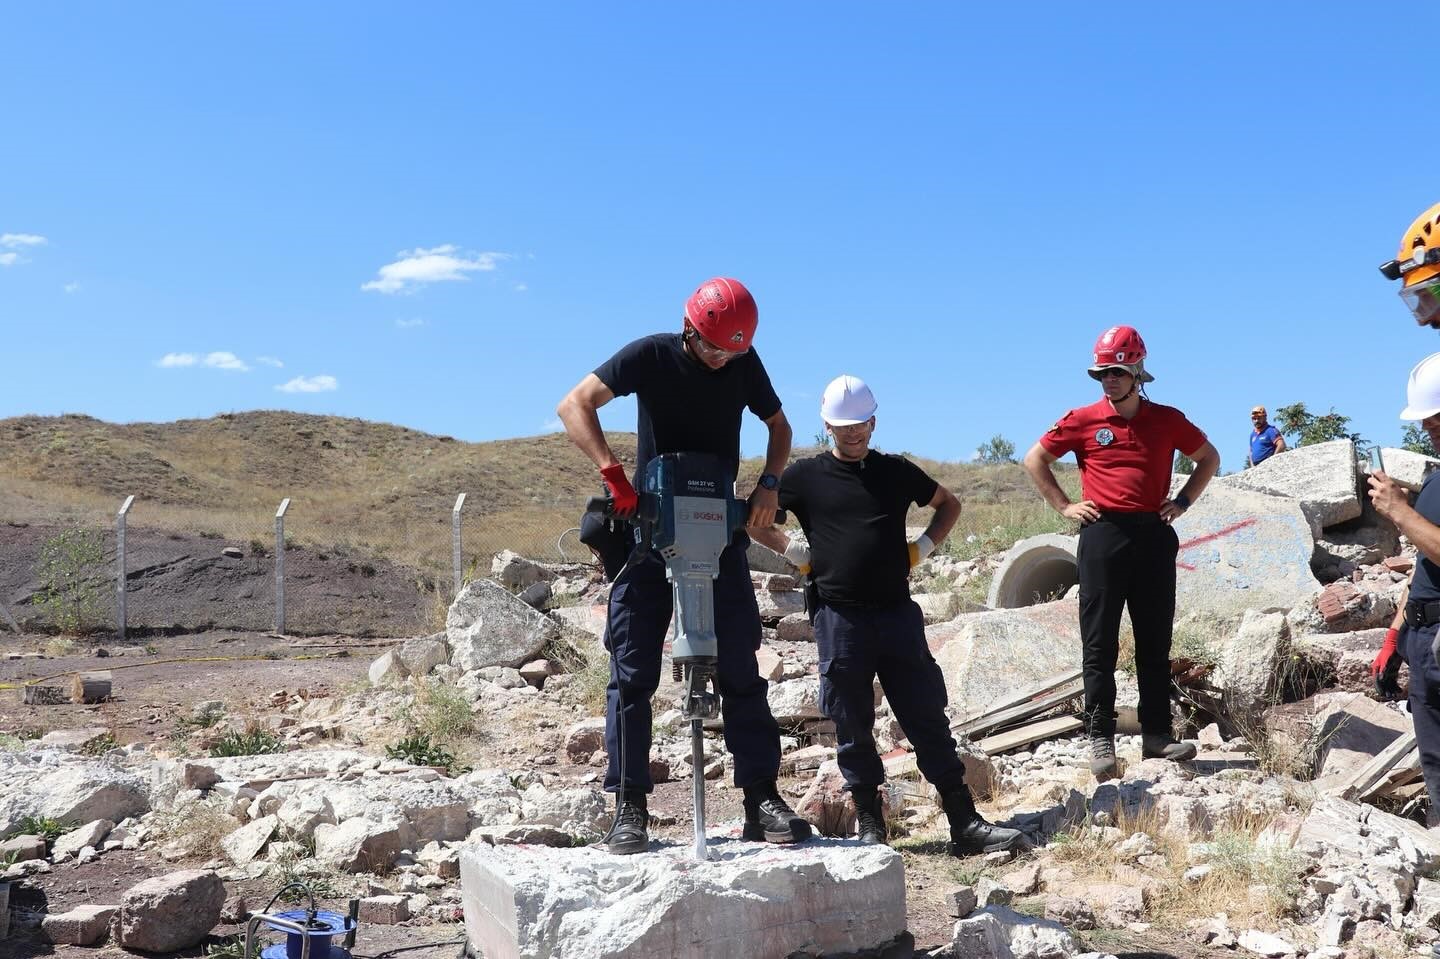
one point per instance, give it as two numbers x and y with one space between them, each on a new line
1423 300
707 348
1111 372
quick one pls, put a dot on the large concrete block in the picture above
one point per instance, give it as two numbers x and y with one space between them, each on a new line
486 626
1323 477
819 898
1243 550
1408 468
989 655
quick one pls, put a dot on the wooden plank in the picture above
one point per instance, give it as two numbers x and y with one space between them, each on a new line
1054 692
1033 733
1372 774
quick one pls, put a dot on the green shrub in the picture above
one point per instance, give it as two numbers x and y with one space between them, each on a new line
252 742
69 573
417 749
44 826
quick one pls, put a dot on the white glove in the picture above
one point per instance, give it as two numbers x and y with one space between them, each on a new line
799 555
920 549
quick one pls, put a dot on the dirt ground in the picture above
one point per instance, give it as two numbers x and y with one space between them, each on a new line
160 681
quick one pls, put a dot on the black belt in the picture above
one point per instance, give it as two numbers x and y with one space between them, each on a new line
1422 613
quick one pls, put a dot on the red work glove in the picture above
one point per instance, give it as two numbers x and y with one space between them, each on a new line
622 494
1385 670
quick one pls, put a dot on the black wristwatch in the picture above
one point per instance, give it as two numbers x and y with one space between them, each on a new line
769 481
1181 500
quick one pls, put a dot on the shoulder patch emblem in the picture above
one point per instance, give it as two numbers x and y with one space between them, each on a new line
1055 428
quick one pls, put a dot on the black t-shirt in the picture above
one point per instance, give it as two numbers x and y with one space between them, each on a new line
1425 585
684 406
854 516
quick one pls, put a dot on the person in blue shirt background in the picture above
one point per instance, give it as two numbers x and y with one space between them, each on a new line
1265 440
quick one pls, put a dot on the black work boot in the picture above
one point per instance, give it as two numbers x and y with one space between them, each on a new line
769 819
970 834
1103 764
1165 746
869 816
628 833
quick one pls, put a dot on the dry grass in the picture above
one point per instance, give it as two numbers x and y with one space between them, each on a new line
196 827
1246 877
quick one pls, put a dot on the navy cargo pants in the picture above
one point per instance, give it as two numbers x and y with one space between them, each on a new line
641 601
859 643
1127 559
1415 646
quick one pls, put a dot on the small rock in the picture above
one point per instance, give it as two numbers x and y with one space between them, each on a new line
384 910
1264 944
960 902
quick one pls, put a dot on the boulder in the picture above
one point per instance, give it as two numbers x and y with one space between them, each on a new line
998 932
419 656
1349 731
536 595
584 739
1251 665
1322 477
74 739
245 843
1240 550
388 670
987 656
582 812
795 700
300 814
171 912
826 804
90 834
751 900
795 628
777 604
1407 468
78 792
358 844
22 848
937 607
486 626
771 666
517 572
82 926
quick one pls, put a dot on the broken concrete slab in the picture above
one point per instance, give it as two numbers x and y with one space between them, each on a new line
82 926
387 670
1322 477
171 912
1350 730
1242 550
986 656
80 791
1408 468
245 843
1250 666
419 656
90 834
818 898
998 932
795 700
486 626
74 738
1035 570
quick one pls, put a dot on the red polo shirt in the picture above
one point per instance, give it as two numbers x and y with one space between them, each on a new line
1124 464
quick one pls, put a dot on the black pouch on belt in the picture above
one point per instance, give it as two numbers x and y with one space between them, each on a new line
610 539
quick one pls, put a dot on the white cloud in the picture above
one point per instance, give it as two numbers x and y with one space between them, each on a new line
226 361
8 259
310 384
521 287
177 359
419 266
71 287
269 361
409 324
13 241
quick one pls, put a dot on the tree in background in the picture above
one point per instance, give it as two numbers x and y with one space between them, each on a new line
822 439
71 588
1183 464
997 450
1416 440
1307 428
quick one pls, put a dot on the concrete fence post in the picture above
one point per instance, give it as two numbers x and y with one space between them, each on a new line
280 565
456 561
120 564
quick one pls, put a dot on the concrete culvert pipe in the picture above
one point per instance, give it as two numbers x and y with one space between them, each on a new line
1035 570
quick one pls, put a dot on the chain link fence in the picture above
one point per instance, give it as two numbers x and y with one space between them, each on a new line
297 567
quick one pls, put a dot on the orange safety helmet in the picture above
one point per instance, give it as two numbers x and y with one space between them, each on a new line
1418 259
724 313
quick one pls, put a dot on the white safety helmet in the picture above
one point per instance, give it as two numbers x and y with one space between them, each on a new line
1422 393
847 401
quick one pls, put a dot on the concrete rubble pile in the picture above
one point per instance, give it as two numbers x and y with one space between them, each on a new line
1283 569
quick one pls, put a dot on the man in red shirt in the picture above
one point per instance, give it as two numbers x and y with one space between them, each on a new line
1125 445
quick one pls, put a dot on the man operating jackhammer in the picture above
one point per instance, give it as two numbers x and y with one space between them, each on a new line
1125 446
851 502
691 388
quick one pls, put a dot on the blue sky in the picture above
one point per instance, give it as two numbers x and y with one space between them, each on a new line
443 216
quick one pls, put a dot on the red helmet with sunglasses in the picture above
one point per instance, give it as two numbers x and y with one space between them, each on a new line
723 312
1120 347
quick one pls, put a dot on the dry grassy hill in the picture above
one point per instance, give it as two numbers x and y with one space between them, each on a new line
352 481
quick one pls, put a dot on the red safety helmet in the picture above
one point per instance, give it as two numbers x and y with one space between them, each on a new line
1121 346
724 313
